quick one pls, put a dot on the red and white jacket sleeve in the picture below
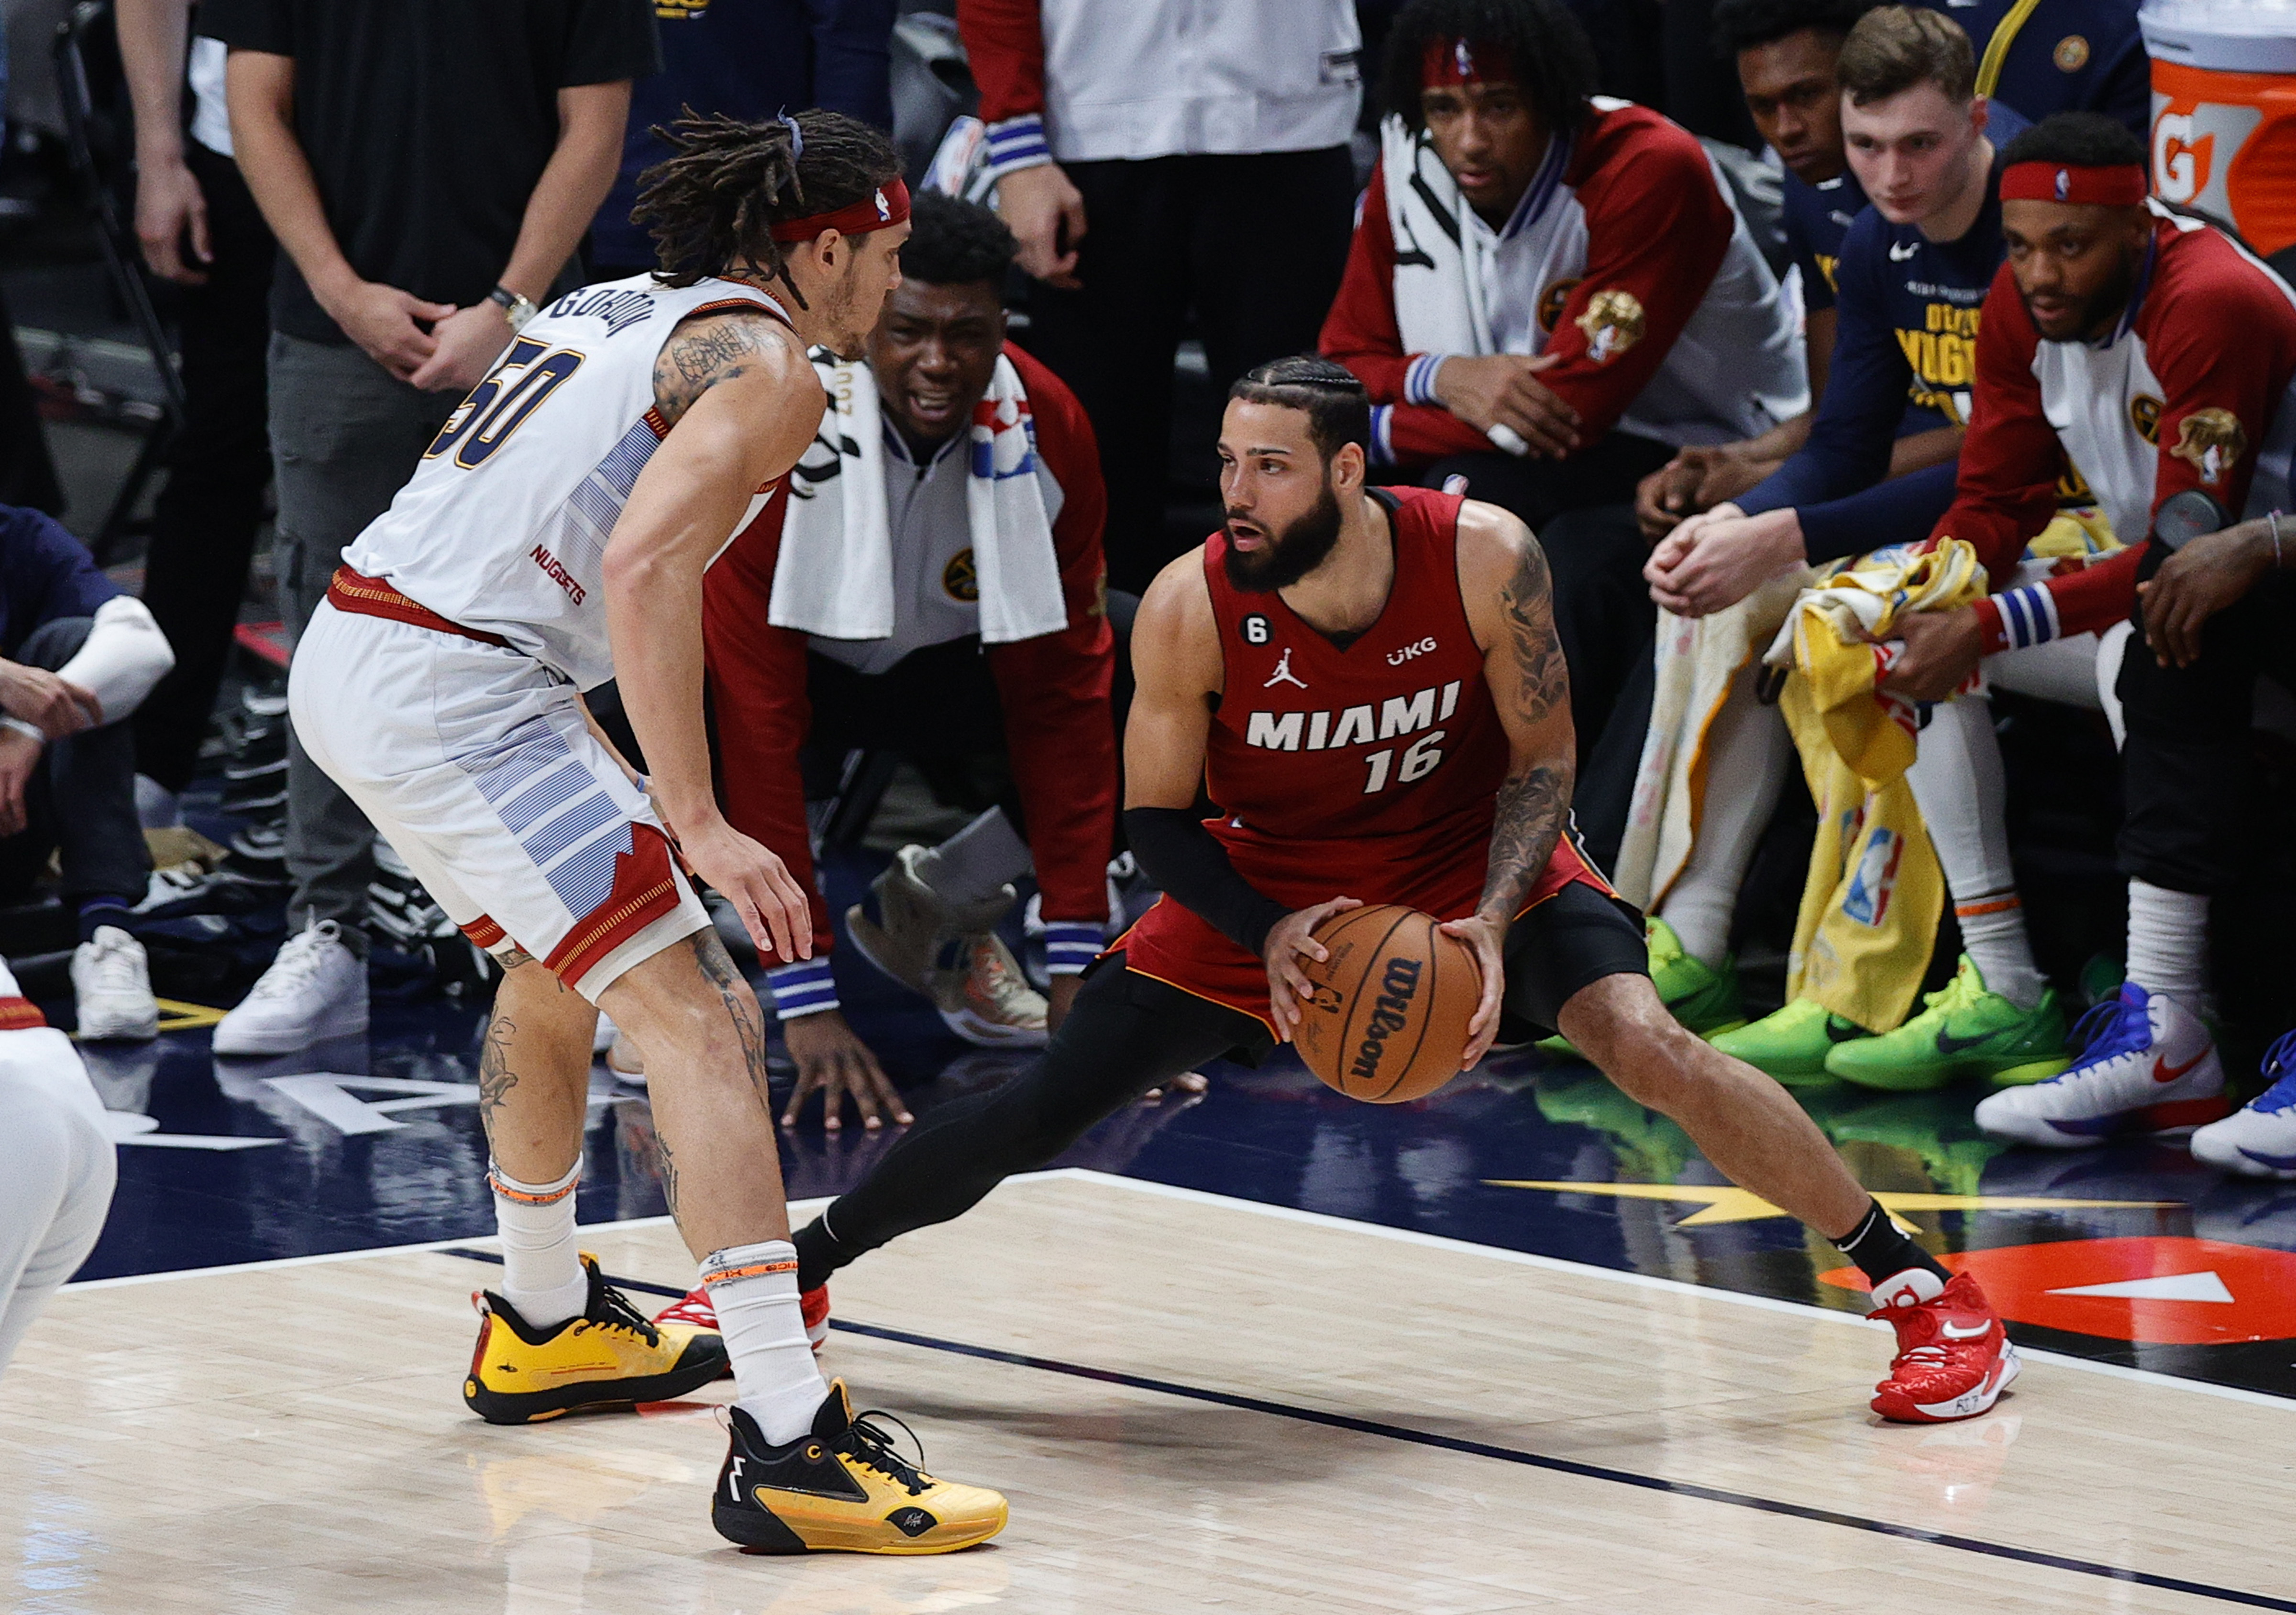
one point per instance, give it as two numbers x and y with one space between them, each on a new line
1658 229
1060 728
1004 42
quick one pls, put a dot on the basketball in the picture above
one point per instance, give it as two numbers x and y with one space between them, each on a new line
1389 1019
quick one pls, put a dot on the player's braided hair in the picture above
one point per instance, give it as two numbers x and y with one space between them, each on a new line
712 204
1742 25
1336 404
1553 62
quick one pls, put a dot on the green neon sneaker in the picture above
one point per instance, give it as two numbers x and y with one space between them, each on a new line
1704 998
1965 1031
1793 1045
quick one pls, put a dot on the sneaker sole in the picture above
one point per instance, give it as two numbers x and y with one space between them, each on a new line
757 1530
2176 1119
230 1045
1929 1078
1969 1407
599 1395
993 1034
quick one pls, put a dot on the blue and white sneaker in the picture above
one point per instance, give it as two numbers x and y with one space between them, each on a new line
2260 1141
2147 1065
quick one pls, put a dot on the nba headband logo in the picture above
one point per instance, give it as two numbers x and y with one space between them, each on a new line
1447 62
887 205
2108 184
884 208
1464 59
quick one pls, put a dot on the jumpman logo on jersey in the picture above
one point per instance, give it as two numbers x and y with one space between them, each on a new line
1284 674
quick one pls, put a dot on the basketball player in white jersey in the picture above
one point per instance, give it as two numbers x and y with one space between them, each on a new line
555 536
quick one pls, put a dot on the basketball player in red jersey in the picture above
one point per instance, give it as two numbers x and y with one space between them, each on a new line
1368 682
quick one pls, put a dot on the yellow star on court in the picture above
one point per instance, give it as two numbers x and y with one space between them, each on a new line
1725 1203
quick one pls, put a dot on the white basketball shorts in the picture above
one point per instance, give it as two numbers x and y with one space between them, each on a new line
475 761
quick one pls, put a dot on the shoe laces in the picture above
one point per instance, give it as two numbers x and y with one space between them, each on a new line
1965 989
871 1444
2280 1062
615 1312
114 961
693 1308
2113 1026
299 961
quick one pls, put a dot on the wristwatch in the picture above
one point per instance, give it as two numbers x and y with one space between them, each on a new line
515 309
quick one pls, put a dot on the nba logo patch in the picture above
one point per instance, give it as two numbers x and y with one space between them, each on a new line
2064 184
1464 59
885 208
1875 877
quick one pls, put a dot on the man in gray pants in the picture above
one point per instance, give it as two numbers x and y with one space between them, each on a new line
413 248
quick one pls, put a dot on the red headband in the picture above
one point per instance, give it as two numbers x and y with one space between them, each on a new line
2112 185
1449 61
889 205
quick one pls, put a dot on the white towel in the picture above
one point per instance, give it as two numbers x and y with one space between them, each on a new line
835 578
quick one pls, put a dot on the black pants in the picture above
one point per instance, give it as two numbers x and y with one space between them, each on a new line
1129 1033
2189 777
938 707
80 800
1253 244
204 522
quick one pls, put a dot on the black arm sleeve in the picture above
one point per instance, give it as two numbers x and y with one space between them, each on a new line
1181 857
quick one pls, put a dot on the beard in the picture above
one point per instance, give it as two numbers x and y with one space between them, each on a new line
2107 302
1290 555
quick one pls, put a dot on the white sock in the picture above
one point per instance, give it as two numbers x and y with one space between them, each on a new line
542 1263
2169 943
977 863
753 1288
1957 781
1748 753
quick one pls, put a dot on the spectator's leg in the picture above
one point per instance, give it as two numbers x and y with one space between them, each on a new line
1113 339
1749 757
345 436
204 522
87 806
1964 795
1603 610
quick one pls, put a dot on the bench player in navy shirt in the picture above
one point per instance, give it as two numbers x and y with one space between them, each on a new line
1786 52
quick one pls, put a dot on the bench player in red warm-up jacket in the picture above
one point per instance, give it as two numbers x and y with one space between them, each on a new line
1369 684
930 688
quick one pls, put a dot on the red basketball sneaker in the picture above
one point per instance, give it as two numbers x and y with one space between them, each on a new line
1954 1359
813 1306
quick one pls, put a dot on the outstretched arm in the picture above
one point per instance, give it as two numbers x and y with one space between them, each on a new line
1502 578
742 403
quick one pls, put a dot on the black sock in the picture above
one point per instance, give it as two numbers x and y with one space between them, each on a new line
1878 1246
817 1256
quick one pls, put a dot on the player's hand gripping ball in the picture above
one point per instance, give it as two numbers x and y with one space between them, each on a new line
1388 1022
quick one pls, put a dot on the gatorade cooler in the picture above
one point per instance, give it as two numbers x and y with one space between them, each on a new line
2223 112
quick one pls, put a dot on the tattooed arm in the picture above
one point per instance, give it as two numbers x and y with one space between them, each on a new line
743 402
1502 579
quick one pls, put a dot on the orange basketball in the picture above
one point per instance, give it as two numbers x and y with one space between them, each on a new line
1389 1019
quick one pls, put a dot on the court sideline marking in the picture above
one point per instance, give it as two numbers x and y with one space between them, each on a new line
1504 1454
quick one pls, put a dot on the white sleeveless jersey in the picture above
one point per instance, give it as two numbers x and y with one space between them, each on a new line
504 526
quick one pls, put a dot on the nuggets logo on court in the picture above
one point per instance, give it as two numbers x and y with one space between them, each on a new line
2071 54
1613 323
1391 1013
1551 301
2212 441
958 580
2144 416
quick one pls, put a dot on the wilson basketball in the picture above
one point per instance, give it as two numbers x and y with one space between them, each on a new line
1389 1019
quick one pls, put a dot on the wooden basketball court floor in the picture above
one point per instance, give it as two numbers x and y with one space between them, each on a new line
1193 1402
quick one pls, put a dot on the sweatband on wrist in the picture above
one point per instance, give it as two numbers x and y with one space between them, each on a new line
1419 378
1182 860
2016 619
1017 143
1382 446
1071 945
32 730
804 988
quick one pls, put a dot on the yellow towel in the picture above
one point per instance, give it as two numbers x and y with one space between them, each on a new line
1871 905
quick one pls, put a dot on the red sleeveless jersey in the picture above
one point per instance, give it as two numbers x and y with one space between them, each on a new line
1367 772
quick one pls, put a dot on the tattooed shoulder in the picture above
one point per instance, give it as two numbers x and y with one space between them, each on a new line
707 351
1527 603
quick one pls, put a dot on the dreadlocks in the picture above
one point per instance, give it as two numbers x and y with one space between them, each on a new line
711 206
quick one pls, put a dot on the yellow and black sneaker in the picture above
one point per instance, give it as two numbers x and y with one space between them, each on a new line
842 1488
609 1357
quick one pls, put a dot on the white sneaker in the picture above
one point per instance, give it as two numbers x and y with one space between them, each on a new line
315 989
2260 1141
112 987
2149 1065
992 1005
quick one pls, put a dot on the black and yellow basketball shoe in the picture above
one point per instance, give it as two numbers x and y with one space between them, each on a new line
609 1357
842 1488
